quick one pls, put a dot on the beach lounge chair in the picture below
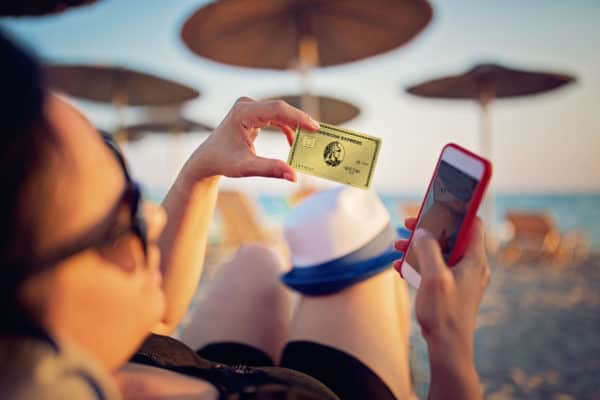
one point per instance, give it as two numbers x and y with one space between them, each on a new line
537 239
304 191
237 222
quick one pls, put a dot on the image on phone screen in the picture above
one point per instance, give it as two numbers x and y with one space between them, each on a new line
445 208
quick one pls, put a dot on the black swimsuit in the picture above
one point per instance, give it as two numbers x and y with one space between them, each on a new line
232 381
308 371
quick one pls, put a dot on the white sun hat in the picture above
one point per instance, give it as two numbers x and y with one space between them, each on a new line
338 237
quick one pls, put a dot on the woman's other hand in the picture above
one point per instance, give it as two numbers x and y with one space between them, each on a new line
448 299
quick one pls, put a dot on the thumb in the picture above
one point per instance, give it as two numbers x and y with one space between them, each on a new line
269 168
474 257
429 254
476 247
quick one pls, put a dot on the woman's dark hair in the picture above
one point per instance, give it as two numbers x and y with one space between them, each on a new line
37 7
25 142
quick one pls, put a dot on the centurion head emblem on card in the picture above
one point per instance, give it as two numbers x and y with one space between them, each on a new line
333 154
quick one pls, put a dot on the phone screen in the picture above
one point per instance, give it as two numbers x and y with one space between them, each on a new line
445 208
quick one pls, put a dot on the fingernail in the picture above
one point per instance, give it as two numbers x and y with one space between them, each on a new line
420 234
289 176
314 123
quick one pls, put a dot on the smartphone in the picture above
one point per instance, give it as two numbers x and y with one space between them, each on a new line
450 206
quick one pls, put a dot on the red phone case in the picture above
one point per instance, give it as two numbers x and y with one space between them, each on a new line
465 229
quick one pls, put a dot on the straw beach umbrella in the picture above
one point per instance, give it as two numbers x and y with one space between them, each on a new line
117 86
165 121
302 34
109 84
485 83
175 126
273 34
331 110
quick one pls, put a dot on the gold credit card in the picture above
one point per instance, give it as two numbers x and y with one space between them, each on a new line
337 154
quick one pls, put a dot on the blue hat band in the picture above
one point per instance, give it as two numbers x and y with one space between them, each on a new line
342 268
335 275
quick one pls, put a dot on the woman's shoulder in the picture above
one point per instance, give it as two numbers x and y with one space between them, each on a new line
33 368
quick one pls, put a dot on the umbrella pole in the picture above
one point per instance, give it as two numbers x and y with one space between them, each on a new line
486 130
308 102
486 150
308 57
119 103
308 54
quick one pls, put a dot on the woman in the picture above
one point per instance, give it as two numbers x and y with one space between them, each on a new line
89 269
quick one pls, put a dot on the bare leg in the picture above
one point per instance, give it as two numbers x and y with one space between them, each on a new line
368 320
245 303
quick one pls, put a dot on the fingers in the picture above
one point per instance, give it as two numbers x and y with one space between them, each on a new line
476 247
429 256
289 132
261 113
474 266
270 168
401 245
410 223
475 252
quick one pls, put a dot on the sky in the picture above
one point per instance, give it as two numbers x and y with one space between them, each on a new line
542 144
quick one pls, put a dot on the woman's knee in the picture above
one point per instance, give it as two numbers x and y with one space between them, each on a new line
254 271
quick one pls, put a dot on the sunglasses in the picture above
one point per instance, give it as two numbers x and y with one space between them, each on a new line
108 231
133 196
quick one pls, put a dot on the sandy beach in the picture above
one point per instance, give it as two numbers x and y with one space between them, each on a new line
538 335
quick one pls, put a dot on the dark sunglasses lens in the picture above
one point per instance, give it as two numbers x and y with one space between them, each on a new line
138 218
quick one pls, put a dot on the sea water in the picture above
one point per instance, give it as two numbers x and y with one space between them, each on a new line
570 211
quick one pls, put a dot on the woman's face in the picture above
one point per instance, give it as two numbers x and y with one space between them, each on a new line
105 300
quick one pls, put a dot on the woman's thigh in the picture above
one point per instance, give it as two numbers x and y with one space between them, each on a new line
369 320
245 303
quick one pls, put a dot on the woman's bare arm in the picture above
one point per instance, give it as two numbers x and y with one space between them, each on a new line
190 205
228 151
